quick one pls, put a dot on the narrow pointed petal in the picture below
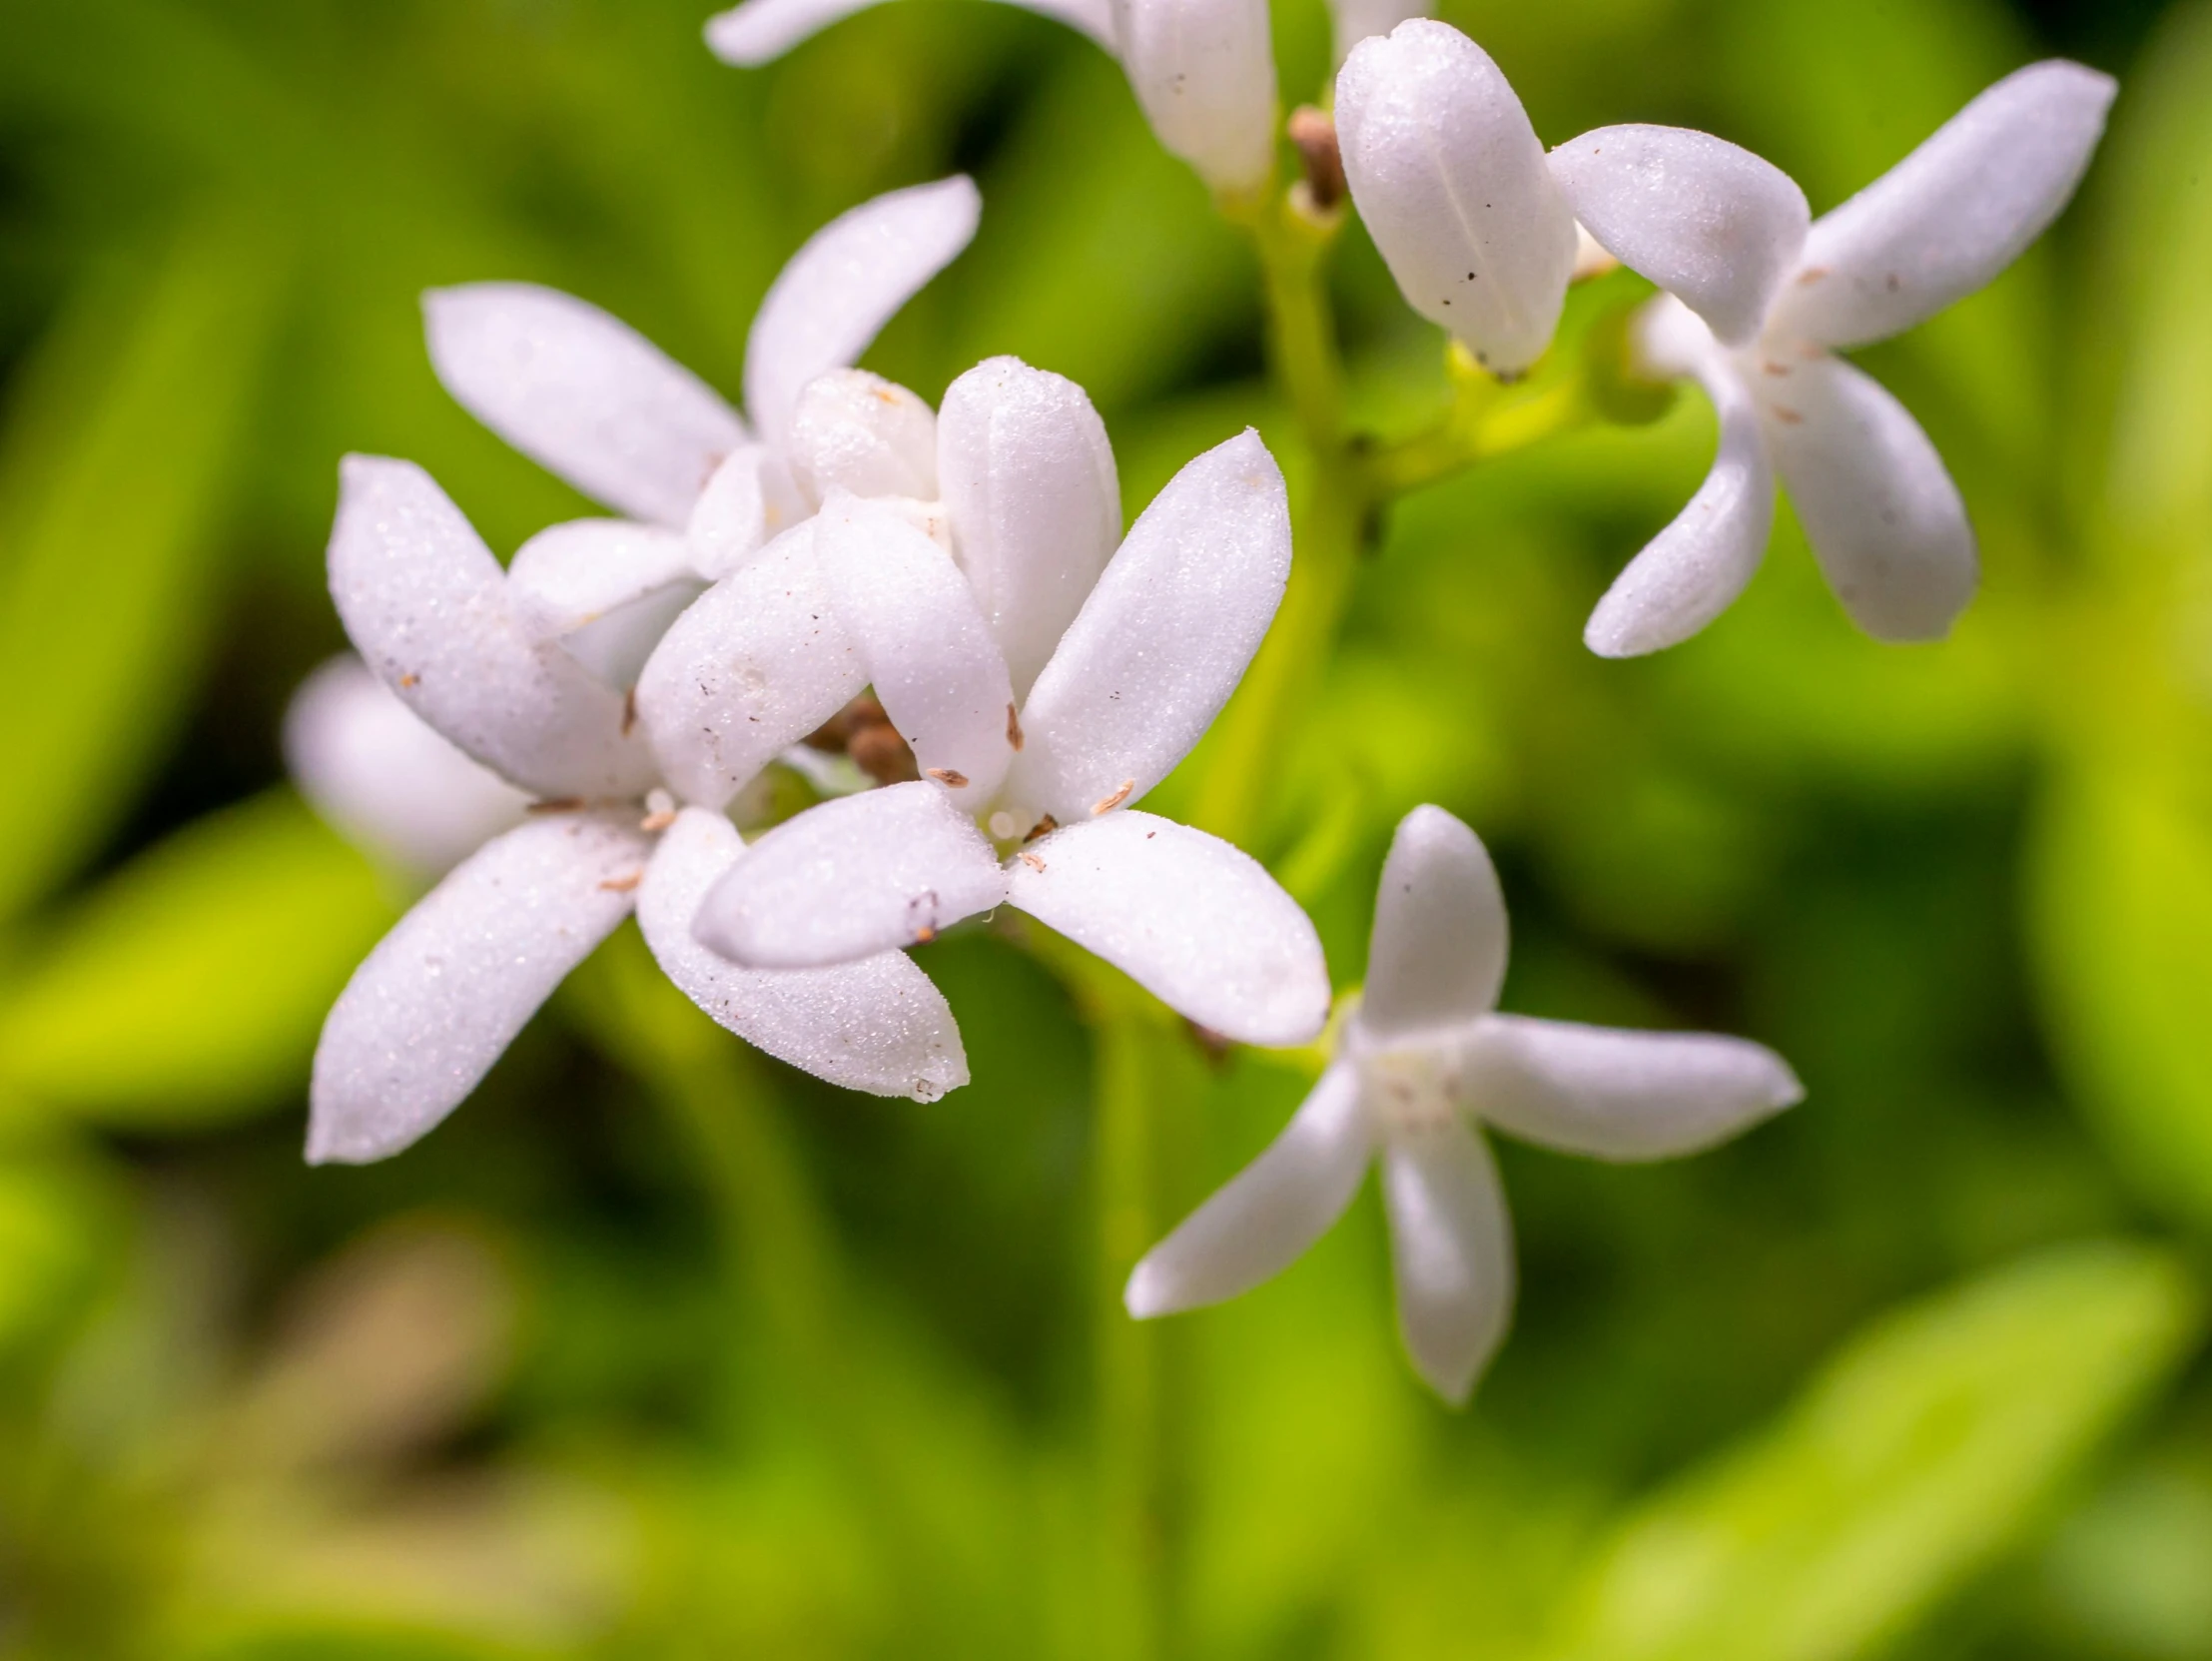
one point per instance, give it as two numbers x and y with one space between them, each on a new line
1453 185
1357 19
427 607
1028 475
444 993
758 662
604 589
1955 213
763 30
860 433
1451 1245
1691 571
843 287
581 394
750 502
384 780
1204 73
1709 222
878 1025
922 642
1437 955
1618 1094
1879 508
851 878
1163 639
1263 1220
1198 924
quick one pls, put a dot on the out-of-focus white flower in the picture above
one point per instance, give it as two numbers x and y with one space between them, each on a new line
1355 20
1423 1060
1045 682
1203 70
1760 298
425 1017
1451 182
589 399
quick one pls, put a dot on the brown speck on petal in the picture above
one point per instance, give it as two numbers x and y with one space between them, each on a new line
410 680
1013 727
657 821
1044 827
1787 416
1773 367
1810 275
948 777
630 712
924 935
1033 863
1106 804
623 885
558 804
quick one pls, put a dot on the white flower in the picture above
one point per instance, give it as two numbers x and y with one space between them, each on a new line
1763 299
1451 182
1203 70
1045 682
439 1000
1423 1060
595 401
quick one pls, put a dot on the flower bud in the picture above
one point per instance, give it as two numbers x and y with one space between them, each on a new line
1205 71
1454 188
857 431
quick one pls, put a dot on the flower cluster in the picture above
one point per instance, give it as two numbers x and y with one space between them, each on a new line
950 598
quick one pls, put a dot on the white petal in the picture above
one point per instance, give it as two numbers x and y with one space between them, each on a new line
1163 639
751 499
1437 955
762 30
843 287
1264 1218
1707 221
605 589
922 642
1693 570
1618 1094
1205 71
1451 1245
427 609
384 780
851 878
860 433
758 662
445 991
878 1025
1028 475
1880 512
1357 19
581 394
1195 922
1453 185
1955 213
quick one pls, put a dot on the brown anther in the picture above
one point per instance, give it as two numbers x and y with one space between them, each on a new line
622 885
653 822
1013 727
878 751
557 804
629 711
1033 863
1044 827
1106 804
924 935
410 680
1314 135
950 777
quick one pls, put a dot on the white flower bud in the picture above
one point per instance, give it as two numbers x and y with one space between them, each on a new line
1453 185
857 431
1205 71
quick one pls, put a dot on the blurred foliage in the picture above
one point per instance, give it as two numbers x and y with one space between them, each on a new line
659 1351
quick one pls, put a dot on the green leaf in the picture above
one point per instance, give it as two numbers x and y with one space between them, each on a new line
49 1227
112 473
2120 916
190 987
1922 1455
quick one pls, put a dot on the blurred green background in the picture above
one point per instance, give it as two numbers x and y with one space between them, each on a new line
658 1349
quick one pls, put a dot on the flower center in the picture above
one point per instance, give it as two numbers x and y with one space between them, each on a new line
1412 1092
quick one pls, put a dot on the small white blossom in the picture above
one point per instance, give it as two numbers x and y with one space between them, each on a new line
592 400
1760 298
440 997
1423 1060
1044 679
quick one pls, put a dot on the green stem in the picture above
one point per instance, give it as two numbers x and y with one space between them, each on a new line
1486 420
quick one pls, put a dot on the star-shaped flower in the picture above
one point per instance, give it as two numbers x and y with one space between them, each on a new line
595 402
1761 300
1203 70
1422 1062
1044 688
440 997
